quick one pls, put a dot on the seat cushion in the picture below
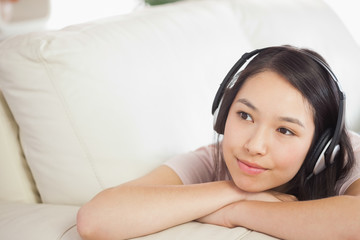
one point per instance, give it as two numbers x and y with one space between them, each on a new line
195 231
58 222
37 221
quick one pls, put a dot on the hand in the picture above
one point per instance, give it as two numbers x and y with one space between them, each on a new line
222 216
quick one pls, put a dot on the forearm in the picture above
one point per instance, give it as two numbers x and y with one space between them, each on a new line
128 211
330 218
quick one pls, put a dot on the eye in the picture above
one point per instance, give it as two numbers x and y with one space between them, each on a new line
285 131
245 116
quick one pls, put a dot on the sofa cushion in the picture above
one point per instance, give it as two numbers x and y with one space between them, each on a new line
101 103
37 221
58 222
195 231
16 181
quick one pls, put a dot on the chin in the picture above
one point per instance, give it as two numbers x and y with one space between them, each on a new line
252 187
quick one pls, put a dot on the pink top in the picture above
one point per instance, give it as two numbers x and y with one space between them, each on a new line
199 166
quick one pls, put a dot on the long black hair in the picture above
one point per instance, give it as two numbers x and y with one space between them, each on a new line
319 89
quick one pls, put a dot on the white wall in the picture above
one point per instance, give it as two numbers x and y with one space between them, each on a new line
348 11
25 16
83 10
66 12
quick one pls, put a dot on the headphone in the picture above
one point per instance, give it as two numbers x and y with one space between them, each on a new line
327 147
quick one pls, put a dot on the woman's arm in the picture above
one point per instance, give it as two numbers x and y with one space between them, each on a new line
329 218
150 204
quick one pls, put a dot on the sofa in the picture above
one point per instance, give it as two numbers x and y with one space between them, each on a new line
97 104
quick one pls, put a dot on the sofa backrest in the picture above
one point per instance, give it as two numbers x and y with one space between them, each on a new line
101 103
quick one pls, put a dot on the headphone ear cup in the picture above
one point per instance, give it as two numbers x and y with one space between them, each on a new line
215 118
317 156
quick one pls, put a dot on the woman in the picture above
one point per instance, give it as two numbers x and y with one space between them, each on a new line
274 118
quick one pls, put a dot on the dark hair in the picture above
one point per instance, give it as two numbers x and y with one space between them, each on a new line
319 89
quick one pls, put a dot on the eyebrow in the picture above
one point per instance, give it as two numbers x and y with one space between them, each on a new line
285 119
247 103
292 120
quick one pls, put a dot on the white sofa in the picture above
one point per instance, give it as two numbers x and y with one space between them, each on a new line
97 104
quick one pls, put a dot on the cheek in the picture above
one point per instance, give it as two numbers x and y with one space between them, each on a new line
232 136
235 131
290 159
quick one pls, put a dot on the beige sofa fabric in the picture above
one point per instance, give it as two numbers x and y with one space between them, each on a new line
103 103
199 231
44 221
16 181
37 221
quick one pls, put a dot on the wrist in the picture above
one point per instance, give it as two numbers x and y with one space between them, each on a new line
237 213
235 192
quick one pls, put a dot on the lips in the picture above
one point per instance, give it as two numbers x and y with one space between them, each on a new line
250 168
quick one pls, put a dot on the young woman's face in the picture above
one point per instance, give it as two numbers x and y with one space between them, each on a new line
268 132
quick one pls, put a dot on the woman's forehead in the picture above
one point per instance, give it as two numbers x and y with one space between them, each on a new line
271 92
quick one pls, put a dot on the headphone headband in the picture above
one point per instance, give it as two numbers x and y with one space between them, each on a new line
230 75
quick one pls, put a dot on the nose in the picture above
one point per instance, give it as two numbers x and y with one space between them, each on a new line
257 142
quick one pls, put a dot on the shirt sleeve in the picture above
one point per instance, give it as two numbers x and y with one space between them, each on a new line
194 167
343 184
